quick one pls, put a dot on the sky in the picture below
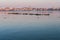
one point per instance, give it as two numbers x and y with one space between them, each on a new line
30 3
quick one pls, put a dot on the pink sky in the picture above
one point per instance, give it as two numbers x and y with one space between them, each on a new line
31 3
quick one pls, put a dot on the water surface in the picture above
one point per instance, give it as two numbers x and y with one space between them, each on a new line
27 27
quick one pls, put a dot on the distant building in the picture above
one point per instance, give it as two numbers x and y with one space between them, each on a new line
26 9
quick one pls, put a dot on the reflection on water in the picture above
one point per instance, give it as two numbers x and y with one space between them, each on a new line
27 27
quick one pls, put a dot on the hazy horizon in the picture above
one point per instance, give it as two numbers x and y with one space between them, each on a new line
30 3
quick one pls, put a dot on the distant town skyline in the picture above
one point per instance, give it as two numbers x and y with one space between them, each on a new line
30 3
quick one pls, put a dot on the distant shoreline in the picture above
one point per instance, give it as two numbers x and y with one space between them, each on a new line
27 10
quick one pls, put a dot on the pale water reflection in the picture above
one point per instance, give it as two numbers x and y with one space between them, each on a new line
27 27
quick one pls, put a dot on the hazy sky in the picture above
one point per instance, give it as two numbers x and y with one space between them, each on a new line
31 3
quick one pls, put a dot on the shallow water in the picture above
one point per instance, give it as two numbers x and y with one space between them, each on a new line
27 27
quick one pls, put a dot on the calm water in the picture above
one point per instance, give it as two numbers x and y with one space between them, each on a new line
27 27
